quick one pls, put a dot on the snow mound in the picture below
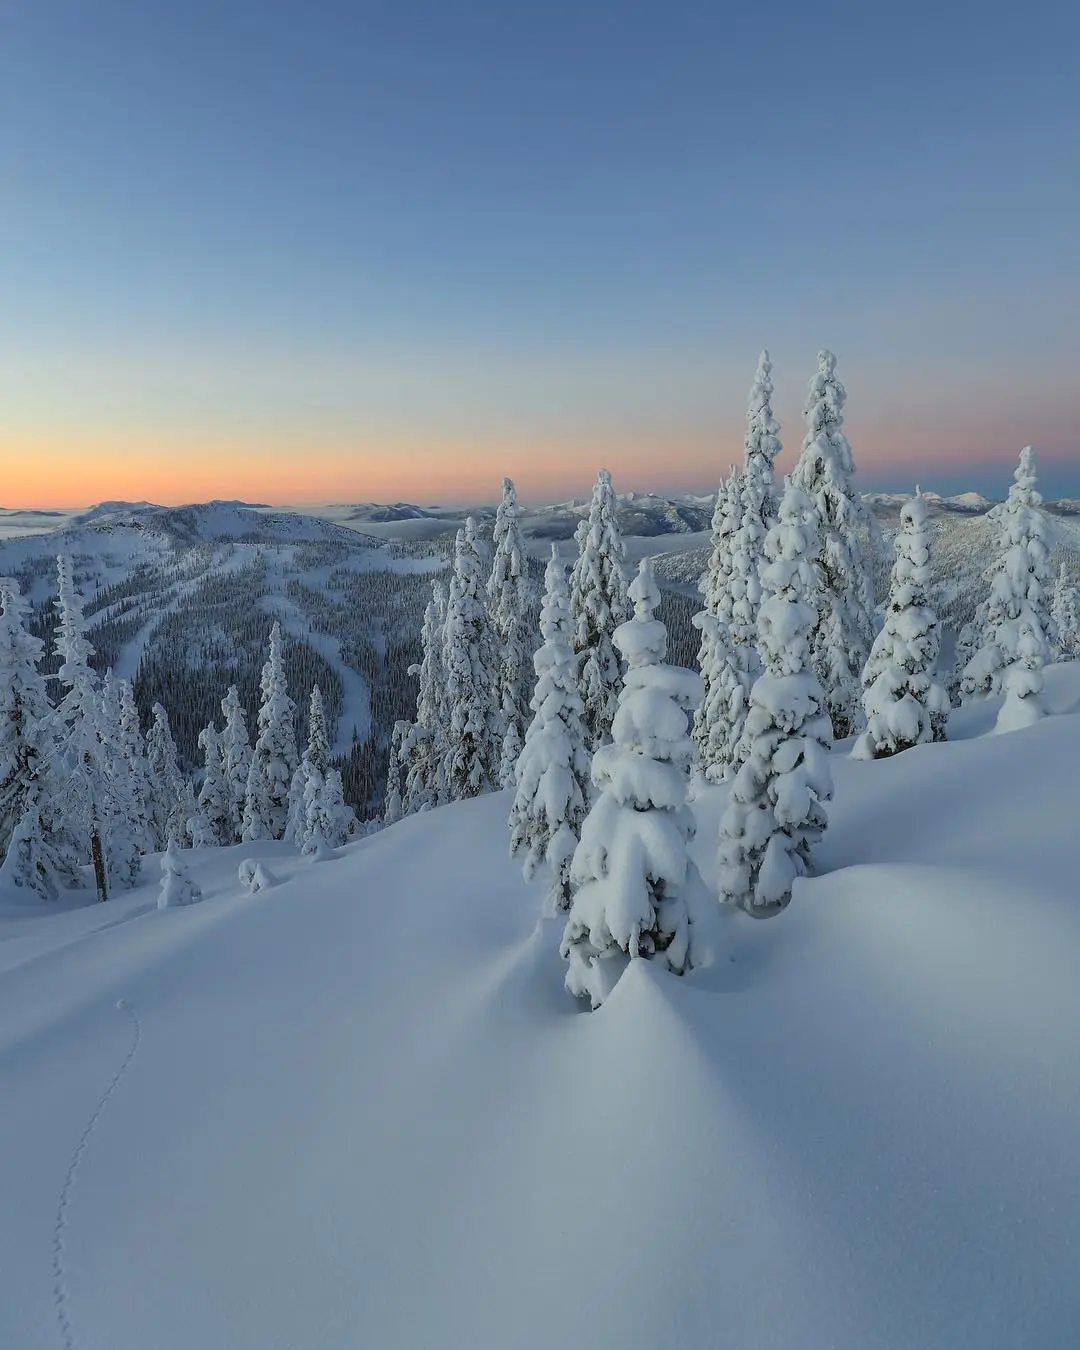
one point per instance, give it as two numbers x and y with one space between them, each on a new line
364 1112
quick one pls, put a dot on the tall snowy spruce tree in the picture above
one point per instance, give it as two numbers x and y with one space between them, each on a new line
471 760
845 624
235 760
393 808
598 605
635 885
553 769
133 749
130 839
422 748
775 813
1065 613
329 821
904 702
212 825
25 712
758 505
39 853
717 658
1015 643
316 757
508 602
93 798
274 759
168 800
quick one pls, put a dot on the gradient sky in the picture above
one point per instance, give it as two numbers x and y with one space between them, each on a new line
336 251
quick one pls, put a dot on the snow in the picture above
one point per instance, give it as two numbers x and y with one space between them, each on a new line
857 1129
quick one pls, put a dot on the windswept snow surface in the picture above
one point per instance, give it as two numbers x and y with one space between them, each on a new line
357 1109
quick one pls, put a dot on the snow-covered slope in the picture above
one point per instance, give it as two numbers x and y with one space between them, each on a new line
357 1109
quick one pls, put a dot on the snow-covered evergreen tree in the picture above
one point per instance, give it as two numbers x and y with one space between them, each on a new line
316 756
471 760
39 854
392 805
329 821
553 771
845 625
598 605
133 748
775 812
213 819
25 712
274 759
235 759
903 700
128 837
177 885
1065 613
1014 643
635 885
92 800
168 804
717 718
508 603
422 748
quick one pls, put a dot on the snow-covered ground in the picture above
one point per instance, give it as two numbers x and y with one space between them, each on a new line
357 1109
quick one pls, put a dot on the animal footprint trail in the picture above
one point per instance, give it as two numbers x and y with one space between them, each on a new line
60 1289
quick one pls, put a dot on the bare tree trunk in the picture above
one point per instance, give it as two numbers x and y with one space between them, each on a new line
99 865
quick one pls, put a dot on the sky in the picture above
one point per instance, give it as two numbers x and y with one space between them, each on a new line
394 250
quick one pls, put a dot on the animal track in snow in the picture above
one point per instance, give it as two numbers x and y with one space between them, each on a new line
60 1289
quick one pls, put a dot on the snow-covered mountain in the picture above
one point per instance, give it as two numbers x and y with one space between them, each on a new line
358 1109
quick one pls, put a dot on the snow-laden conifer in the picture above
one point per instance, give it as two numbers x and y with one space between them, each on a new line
775 812
316 756
717 717
598 605
553 769
845 624
26 743
235 759
635 887
274 759
758 505
177 885
133 748
129 836
1014 641
92 799
213 820
904 702
39 854
168 804
1065 613
471 759
508 603
329 821
422 748
392 804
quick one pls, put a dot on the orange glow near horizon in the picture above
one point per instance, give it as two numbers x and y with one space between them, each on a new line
173 469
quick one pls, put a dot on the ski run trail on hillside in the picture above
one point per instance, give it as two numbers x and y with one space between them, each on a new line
357 1108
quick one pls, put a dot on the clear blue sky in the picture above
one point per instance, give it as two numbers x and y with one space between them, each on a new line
402 243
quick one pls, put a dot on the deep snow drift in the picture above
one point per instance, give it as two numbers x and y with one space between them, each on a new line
356 1108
